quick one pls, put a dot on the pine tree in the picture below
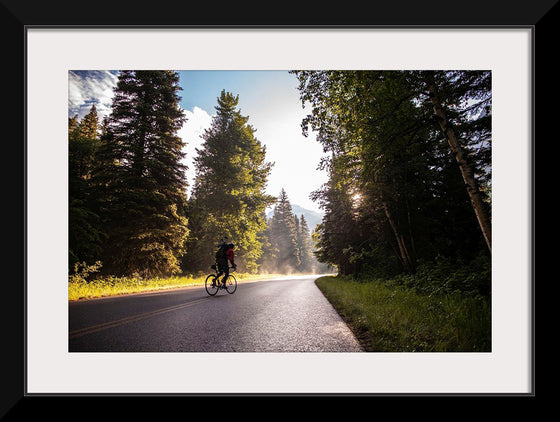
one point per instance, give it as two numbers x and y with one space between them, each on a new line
89 126
304 245
84 232
267 262
283 235
140 178
228 197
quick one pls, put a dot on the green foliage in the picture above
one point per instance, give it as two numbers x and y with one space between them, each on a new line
395 193
83 272
83 286
388 317
288 242
139 178
127 202
338 235
305 245
84 230
228 197
395 203
284 254
449 276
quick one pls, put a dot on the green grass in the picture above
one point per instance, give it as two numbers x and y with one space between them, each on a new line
387 317
79 288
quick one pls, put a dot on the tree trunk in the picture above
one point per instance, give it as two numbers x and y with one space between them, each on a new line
466 170
404 255
412 243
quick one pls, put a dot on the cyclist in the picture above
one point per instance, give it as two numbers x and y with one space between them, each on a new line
223 262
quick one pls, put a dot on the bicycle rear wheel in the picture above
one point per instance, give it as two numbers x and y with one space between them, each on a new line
211 284
231 284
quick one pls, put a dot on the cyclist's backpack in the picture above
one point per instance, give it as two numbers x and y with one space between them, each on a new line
221 253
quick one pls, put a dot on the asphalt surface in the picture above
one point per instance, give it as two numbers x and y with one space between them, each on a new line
282 315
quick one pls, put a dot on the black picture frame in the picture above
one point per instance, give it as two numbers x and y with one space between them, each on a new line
17 16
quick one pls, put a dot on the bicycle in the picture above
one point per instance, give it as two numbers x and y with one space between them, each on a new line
213 282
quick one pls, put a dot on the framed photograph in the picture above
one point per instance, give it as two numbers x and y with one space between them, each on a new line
55 50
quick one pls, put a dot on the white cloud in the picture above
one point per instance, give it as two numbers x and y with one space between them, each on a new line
86 88
191 133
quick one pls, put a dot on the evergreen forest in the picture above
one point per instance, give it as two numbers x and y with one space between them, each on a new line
129 214
408 192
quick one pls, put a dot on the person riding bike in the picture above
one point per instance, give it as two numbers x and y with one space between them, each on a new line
225 256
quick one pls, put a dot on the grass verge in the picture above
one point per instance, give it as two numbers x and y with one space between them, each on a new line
79 288
391 318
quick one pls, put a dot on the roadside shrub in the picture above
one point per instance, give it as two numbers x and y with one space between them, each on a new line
83 272
445 276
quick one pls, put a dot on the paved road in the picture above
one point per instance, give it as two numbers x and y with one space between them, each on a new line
284 315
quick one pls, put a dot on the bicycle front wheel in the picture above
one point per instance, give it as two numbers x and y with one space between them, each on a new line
231 284
211 285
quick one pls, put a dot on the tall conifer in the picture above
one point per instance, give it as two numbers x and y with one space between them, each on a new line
283 235
84 231
228 198
140 177
305 246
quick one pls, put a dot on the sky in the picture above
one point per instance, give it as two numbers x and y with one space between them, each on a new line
269 98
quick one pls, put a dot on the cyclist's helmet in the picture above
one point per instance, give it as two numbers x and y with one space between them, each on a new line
231 245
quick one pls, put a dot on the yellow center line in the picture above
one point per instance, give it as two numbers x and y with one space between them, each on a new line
110 324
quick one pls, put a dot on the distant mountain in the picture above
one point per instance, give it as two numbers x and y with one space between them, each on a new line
312 217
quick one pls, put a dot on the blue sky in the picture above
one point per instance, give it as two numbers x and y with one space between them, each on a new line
269 98
201 88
